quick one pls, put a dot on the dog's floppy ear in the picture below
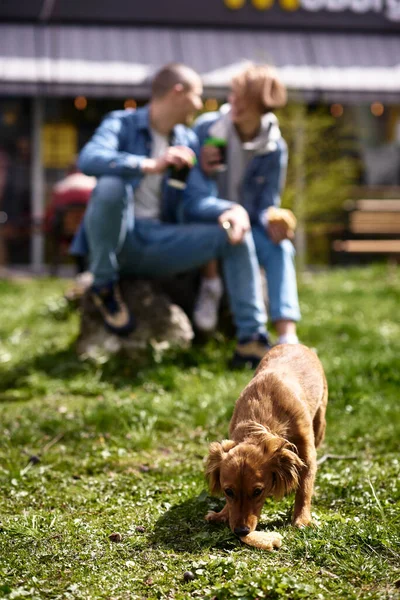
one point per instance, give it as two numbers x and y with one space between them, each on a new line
285 466
213 465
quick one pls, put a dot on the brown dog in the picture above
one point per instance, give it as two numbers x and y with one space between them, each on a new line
277 424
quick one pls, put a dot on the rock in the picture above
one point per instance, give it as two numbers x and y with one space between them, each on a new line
144 468
188 576
115 537
140 529
161 323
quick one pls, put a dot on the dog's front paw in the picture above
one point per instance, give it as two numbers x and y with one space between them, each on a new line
302 520
216 517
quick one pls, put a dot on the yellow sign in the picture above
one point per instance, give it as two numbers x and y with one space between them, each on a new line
59 145
290 4
234 4
389 8
262 4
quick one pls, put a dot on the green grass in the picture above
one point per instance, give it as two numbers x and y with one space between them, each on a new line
122 450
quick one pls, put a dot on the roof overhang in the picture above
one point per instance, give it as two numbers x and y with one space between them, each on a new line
114 61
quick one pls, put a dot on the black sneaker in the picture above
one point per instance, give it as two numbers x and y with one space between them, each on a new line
250 351
115 313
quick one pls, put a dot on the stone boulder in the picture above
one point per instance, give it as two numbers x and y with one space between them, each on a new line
162 323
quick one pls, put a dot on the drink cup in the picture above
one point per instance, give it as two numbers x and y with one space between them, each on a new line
219 143
177 178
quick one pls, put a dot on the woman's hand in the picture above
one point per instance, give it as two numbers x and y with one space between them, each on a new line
278 232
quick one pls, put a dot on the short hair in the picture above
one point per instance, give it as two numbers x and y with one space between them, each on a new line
171 75
261 84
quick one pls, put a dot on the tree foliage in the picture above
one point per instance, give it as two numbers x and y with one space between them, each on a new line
320 177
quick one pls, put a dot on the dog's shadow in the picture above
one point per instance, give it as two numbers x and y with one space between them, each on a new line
182 527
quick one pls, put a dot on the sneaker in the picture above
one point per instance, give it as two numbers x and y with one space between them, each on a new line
250 351
205 314
115 313
288 338
76 291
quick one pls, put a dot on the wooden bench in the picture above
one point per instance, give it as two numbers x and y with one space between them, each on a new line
373 228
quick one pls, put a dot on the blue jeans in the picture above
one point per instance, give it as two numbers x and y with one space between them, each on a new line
149 249
278 262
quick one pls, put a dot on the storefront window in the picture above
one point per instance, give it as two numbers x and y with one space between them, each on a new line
15 157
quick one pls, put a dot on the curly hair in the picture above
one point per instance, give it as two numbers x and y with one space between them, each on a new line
261 84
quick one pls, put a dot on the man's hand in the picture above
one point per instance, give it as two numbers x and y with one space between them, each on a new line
210 159
240 223
178 156
279 231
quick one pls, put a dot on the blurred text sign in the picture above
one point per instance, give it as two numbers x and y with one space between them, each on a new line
59 145
372 15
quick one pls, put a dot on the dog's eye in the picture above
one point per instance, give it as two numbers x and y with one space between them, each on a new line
257 492
229 492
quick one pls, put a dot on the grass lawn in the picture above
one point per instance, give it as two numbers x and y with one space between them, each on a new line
121 451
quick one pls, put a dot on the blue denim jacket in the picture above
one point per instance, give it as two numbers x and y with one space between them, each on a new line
265 174
123 141
119 146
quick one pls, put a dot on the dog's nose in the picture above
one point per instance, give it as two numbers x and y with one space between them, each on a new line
241 531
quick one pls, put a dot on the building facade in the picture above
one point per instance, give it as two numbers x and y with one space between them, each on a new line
64 63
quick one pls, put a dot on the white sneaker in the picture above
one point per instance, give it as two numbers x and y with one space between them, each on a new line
205 314
82 282
288 338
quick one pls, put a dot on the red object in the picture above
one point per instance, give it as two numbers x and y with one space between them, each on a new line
73 190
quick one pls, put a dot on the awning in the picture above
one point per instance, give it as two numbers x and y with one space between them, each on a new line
329 66
69 60
119 61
